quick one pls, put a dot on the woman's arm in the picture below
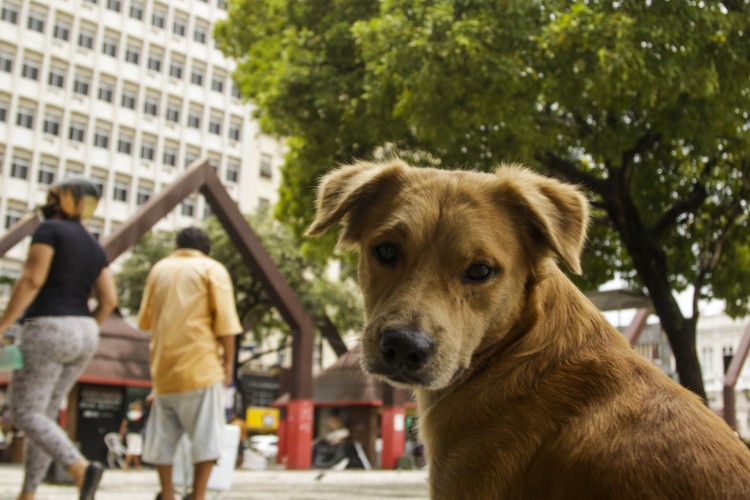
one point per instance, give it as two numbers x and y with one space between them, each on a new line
34 275
106 294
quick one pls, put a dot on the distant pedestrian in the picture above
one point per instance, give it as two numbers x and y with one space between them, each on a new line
131 431
188 304
60 334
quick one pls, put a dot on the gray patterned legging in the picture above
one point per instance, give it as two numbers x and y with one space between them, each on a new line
55 349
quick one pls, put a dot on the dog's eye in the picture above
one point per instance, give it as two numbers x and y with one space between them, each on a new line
478 273
386 253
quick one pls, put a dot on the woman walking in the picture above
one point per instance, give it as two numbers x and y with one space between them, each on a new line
59 333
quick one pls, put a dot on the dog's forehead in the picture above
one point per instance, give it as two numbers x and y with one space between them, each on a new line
439 204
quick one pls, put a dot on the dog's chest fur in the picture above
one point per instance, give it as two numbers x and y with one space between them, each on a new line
585 417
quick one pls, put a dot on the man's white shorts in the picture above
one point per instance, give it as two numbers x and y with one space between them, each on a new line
199 414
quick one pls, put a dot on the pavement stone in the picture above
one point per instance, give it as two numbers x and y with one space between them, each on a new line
246 484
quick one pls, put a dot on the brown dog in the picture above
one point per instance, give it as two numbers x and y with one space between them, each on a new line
524 390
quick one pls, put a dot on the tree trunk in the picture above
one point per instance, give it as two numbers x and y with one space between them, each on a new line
650 262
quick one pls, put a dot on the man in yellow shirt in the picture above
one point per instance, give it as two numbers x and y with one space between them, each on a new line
188 304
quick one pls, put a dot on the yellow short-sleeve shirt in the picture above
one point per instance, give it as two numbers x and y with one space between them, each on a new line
187 303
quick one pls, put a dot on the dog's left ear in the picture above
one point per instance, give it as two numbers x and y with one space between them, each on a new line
558 212
347 193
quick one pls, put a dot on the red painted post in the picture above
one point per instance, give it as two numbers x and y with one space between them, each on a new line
299 431
393 433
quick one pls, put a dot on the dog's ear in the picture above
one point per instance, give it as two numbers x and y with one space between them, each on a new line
558 212
350 190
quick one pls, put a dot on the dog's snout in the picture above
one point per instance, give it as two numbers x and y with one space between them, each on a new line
406 348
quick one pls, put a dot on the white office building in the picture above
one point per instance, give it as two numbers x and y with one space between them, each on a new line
126 93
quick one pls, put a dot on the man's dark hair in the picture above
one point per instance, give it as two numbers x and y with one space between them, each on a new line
195 238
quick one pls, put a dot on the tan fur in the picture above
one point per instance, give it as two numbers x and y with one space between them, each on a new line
529 392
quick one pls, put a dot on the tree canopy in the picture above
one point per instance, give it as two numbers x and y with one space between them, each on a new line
321 296
644 104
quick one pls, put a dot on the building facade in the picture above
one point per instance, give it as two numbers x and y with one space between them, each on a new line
127 93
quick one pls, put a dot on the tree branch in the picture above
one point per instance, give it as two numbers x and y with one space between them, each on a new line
710 258
644 143
569 171
692 202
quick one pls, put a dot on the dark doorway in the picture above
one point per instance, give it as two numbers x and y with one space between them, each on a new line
100 410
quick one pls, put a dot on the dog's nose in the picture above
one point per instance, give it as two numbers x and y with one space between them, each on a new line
405 348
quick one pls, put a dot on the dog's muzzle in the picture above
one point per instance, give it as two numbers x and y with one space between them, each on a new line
404 352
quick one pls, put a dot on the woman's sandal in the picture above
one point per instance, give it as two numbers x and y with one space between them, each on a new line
91 479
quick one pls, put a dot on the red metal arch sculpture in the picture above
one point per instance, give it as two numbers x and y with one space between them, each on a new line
200 176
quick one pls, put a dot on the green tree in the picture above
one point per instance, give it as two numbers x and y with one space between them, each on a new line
131 279
644 104
338 299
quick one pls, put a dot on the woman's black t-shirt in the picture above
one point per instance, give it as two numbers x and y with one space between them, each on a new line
75 266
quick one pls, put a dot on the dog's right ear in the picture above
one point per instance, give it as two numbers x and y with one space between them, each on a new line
349 191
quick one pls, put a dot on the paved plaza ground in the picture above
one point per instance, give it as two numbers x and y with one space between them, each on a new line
267 484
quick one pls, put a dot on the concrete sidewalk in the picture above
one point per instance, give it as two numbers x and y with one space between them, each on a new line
246 484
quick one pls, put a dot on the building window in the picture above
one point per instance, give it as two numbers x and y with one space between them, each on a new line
25 117
196 76
214 125
19 168
52 124
109 46
30 69
11 217
221 4
77 131
61 30
6 61
235 130
120 191
136 10
9 13
175 69
200 34
188 207
190 157
233 171
46 173
101 137
179 26
125 144
113 5
170 156
158 18
173 112
151 106
98 181
36 21
128 98
57 76
217 83
106 91
3 111
235 92
143 195
86 38
81 85
132 54
154 62
148 149
266 166
194 119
